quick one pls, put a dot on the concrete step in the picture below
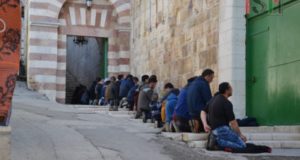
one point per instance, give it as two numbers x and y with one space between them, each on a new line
251 136
197 144
273 136
272 144
137 120
120 115
187 137
271 129
5 142
274 140
278 144
172 136
121 112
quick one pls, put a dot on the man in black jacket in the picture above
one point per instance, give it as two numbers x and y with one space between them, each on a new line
221 120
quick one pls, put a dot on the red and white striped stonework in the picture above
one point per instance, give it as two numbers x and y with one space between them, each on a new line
50 21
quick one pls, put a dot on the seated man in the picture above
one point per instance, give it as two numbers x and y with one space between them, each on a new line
221 120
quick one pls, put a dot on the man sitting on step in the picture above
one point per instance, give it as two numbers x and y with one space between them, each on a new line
221 120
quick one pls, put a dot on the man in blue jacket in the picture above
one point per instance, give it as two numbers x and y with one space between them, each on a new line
171 104
198 94
132 92
170 107
126 85
182 115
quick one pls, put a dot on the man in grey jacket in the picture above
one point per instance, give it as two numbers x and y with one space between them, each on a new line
145 97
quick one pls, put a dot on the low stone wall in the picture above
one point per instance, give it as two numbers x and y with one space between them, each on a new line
5 143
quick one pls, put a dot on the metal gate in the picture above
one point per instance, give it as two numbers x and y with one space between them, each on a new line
273 64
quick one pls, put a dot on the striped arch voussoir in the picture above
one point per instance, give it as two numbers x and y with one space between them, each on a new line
122 8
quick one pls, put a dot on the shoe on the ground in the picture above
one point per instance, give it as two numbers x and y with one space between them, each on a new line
212 143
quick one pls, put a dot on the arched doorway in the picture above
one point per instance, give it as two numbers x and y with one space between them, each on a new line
48 38
86 60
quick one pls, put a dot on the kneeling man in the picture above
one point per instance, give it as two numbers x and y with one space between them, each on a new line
221 120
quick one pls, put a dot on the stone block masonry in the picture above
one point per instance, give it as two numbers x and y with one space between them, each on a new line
174 39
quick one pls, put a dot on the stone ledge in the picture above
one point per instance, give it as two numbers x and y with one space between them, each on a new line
271 129
5 130
5 143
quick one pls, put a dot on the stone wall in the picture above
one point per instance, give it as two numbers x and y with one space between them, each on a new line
174 39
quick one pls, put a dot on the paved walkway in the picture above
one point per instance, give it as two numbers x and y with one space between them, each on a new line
43 130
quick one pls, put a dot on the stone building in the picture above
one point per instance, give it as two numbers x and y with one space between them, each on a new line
174 39
177 39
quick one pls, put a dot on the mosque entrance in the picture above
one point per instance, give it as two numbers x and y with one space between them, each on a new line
86 60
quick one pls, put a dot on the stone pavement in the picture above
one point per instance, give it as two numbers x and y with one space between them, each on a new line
43 130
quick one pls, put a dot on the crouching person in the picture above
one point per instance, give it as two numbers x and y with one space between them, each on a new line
182 115
155 106
170 107
114 97
145 98
221 120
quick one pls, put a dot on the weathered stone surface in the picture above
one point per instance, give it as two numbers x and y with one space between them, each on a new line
181 37
5 143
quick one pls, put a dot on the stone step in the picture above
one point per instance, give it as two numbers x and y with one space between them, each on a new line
273 136
136 120
197 144
5 142
187 137
122 112
120 115
271 129
274 140
278 144
172 136
251 136
272 144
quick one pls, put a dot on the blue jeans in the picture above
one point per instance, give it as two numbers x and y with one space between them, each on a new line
227 138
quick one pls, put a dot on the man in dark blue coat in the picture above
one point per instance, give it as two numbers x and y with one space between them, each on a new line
126 85
182 115
198 94
132 92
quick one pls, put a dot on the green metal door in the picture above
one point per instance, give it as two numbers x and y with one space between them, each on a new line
104 60
273 66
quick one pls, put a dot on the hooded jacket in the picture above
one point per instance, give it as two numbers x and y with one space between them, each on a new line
181 108
170 106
